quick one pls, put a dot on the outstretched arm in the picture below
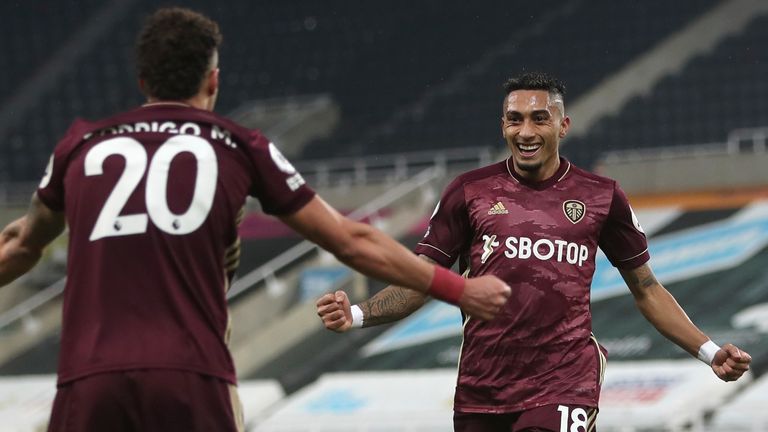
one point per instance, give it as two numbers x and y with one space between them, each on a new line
375 254
662 310
23 240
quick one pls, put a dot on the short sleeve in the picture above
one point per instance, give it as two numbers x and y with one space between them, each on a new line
448 229
51 188
622 238
276 184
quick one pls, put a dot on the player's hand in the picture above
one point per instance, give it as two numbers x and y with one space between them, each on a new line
484 297
335 311
730 363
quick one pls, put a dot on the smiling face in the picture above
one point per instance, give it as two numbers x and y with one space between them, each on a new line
533 122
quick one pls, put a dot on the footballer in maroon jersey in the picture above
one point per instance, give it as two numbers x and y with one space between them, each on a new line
536 221
173 180
544 237
153 198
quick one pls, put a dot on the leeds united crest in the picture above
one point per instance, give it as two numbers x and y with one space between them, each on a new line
574 210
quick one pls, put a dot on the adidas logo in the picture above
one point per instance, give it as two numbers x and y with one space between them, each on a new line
498 209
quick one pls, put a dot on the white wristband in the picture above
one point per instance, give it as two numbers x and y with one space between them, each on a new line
357 316
707 352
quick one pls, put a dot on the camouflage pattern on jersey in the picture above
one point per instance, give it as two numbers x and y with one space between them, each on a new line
541 238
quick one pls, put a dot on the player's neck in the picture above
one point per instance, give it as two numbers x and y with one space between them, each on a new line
540 174
198 102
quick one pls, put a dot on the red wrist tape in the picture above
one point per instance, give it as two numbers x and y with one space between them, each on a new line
446 285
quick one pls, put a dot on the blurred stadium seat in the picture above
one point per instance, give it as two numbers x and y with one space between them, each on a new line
403 79
417 86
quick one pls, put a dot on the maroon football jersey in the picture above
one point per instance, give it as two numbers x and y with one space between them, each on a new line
152 198
541 238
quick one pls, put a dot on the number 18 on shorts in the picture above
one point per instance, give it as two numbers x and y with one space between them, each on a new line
554 418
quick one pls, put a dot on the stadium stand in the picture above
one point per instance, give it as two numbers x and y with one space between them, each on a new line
745 412
726 84
292 48
339 49
29 47
464 110
428 79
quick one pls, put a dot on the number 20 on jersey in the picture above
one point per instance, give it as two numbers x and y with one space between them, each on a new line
111 223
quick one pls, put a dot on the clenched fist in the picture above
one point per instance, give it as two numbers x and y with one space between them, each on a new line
484 297
730 363
335 311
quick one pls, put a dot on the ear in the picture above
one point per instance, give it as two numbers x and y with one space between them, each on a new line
212 87
564 125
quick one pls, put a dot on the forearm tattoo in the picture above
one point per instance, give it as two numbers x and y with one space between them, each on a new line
391 304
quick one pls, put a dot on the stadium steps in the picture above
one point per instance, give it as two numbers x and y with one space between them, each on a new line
463 109
265 325
718 89
28 335
300 47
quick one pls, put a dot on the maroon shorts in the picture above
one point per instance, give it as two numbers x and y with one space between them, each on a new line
146 400
547 418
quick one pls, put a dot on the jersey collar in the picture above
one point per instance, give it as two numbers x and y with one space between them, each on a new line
165 103
559 175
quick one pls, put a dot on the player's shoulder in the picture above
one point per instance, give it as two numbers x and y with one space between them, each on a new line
79 130
237 129
82 129
251 138
582 175
478 175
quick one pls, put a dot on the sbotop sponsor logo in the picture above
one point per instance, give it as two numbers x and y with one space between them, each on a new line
542 249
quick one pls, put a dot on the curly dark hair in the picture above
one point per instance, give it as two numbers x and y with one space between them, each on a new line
174 51
535 81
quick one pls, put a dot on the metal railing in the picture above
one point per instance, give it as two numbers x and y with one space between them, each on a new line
30 304
268 270
260 274
16 194
666 152
390 168
746 140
